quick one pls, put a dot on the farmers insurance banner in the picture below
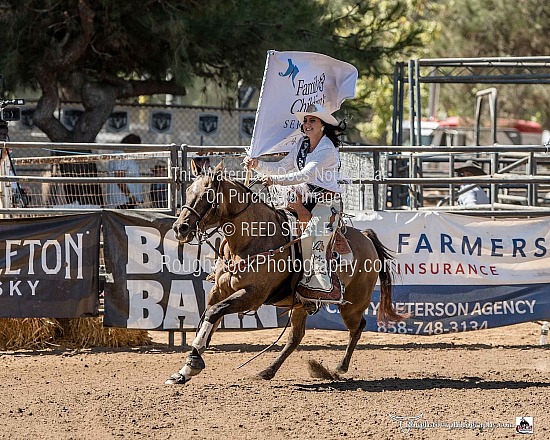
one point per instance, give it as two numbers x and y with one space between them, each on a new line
457 273
155 283
292 81
49 267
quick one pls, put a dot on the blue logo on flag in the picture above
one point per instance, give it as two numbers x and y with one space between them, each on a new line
291 71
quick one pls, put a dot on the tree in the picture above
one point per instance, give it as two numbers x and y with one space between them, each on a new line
99 51
374 106
495 28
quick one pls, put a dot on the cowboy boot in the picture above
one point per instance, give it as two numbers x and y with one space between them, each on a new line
320 279
315 240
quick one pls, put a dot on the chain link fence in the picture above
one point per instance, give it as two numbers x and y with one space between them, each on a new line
155 125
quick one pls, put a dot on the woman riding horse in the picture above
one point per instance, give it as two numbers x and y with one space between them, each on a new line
312 169
242 283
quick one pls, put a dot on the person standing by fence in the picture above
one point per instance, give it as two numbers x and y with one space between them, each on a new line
81 194
122 195
475 195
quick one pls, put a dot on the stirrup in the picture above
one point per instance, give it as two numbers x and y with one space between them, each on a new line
311 307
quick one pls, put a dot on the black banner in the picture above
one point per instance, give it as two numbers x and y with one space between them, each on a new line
49 267
154 282
150 284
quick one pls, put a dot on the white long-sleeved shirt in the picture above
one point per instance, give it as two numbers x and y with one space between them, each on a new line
321 167
475 196
115 196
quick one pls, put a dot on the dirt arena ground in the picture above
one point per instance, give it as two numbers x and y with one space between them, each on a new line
480 381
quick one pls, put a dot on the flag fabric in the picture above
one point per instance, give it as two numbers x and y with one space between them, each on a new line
292 81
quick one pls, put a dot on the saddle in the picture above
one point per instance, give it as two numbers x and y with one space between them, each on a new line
338 254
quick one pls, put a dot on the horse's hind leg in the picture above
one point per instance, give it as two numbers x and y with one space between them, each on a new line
297 331
354 321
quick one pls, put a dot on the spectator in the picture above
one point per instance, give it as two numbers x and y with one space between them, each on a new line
83 194
122 195
159 190
475 195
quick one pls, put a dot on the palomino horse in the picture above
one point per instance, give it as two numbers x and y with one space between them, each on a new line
213 199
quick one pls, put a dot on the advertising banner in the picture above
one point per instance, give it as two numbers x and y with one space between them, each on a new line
155 283
451 273
49 267
292 81
457 273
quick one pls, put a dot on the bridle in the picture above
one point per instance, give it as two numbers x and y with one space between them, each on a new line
202 235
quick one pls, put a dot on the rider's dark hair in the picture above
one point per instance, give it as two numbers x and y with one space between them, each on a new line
335 132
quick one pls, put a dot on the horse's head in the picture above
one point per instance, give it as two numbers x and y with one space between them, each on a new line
201 209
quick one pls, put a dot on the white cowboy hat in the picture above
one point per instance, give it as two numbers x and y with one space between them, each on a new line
317 111
471 166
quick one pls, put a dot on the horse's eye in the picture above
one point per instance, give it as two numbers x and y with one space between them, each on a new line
210 195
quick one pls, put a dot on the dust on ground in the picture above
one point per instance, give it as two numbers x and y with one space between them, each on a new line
460 386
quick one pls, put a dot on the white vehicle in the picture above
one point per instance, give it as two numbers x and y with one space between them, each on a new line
456 131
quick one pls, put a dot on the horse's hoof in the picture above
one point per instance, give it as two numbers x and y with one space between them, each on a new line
266 374
176 379
341 370
195 363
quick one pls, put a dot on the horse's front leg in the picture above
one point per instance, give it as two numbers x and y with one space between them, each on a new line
240 301
297 332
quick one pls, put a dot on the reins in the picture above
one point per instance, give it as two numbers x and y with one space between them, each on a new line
203 237
273 343
237 267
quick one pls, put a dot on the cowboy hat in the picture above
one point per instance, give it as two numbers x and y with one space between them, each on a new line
319 112
472 167
131 139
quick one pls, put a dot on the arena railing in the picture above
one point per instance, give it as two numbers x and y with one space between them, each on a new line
417 182
77 177
502 160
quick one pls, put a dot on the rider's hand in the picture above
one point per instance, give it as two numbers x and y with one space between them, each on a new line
267 181
250 163
301 211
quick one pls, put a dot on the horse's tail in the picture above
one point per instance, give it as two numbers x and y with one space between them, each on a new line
386 311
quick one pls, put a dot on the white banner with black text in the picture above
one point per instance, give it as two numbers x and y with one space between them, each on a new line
452 273
457 273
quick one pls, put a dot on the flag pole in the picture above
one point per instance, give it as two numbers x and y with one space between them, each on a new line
255 132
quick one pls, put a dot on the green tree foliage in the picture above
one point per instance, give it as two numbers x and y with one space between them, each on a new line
99 51
375 92
495 28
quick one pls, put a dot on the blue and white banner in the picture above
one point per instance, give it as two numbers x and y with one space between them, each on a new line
458 273
292 81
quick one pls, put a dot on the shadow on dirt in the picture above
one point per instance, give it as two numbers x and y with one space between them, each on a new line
396 384
255 348
252 348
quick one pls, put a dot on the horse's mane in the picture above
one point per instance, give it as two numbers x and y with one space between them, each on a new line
278 211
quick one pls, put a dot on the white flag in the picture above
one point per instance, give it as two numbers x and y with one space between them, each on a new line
292 81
